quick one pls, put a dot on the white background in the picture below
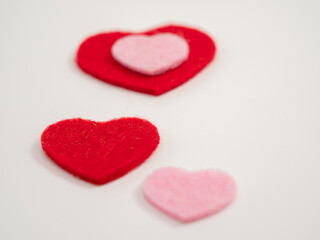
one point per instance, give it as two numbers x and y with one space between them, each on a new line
254 112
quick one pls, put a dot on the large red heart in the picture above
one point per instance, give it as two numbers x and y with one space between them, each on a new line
94 57
100 152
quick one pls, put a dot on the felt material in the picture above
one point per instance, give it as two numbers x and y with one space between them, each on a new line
150 55
189 196
100 152
94 57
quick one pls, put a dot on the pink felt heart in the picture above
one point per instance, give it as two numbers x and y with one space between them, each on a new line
150 55
189 196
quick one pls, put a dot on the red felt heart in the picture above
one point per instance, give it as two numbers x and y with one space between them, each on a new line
100 152
94 57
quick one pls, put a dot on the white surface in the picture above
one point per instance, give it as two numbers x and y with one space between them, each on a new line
254 112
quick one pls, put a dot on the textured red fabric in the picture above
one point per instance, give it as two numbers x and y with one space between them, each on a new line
94 57
100 152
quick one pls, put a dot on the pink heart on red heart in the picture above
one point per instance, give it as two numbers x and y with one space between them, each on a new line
95 58
100 152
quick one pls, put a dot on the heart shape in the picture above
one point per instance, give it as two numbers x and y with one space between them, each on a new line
150 55
94 57
189 196
100 152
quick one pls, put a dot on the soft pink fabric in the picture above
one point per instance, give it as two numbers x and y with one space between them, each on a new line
189 196
150 55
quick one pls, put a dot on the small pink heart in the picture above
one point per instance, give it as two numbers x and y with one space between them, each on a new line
151 55
189 196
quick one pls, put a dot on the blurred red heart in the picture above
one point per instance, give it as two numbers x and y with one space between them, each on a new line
94 57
